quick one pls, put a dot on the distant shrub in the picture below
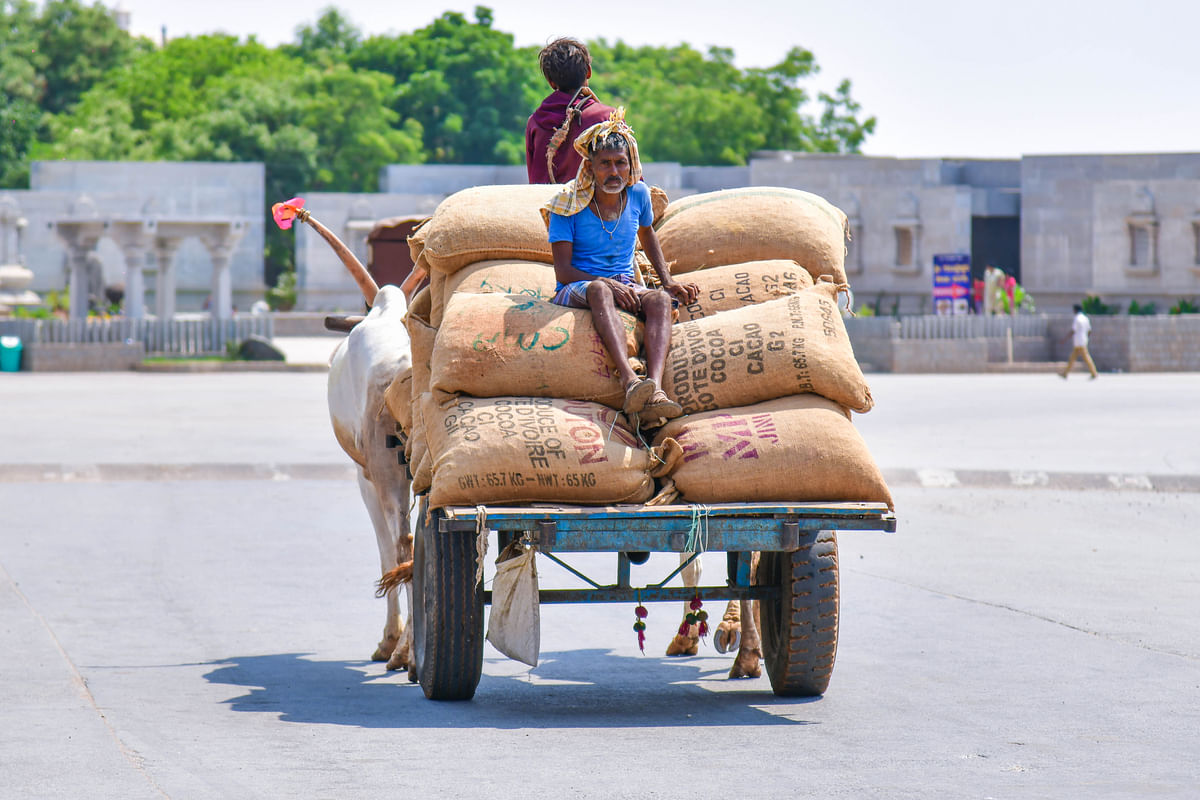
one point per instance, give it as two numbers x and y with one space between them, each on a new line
1185 306
1137 309
1094 306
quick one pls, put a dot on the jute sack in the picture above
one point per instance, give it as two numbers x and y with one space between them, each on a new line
488 222
738 285
417 443
416 240
421 463
493 345
501 276
782 347
761 222
799 448
437 297
421 337
539 450
398 399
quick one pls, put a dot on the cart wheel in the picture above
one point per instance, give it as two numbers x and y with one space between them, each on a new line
447 612
800 630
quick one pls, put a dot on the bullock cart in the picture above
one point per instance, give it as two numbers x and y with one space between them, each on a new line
796 580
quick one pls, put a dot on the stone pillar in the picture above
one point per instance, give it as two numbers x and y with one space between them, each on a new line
220 241
165 248
80 238
135 239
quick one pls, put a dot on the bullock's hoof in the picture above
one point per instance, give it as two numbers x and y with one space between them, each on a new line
728 637
683 645
380 654
746 665
412 673
399 659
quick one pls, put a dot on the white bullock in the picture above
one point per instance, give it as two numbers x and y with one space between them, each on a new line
361 368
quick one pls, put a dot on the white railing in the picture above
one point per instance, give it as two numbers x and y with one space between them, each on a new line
196 335
947 327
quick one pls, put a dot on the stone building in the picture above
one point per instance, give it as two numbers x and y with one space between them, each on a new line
1124 227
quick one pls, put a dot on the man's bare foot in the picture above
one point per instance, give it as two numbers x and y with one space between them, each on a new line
637 392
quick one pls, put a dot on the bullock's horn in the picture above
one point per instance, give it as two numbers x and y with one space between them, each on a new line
366 284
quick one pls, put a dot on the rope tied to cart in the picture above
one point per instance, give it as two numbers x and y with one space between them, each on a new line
481 532
697 541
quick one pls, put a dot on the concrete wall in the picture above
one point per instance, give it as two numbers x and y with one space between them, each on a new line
141 189
1074 216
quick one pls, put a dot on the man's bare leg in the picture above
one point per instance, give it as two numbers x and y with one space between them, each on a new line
612 332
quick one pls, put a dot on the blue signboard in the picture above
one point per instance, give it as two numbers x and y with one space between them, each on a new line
951 283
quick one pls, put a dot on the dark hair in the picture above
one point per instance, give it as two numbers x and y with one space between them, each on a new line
1078 308
565 63
613 141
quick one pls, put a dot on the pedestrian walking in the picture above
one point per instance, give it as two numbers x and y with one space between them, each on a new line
1081 327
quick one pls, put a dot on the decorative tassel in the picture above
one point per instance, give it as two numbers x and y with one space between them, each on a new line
640 612
697 616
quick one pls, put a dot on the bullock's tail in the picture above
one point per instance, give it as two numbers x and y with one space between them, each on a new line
401 573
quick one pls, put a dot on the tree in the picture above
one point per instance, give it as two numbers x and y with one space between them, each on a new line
213 98
464 82
702 109
77 45
333 36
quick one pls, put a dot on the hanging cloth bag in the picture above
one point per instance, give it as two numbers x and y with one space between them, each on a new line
514 624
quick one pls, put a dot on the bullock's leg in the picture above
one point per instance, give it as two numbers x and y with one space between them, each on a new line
687 645
388 556
746 663
729 633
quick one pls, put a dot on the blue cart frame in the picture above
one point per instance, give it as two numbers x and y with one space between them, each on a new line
796 582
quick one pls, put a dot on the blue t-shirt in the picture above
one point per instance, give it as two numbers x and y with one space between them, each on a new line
592 249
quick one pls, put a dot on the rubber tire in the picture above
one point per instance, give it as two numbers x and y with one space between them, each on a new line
447 612
800 630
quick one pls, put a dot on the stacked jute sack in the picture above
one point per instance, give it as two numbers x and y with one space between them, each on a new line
512 399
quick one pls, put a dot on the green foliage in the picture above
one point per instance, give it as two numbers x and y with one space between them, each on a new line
1094 306
1185 306
466 84
213 98
48 60
1142 309
282 296
701 109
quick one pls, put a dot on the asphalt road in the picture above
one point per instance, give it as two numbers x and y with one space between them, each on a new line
186 610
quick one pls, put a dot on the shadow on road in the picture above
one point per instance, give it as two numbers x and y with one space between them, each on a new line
576 689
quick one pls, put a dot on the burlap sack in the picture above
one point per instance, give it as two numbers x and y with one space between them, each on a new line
529 278
421 336
503 276
488 222
437 297
417 444
739 285
793 449
493 345
416 240
783 347
398 399
539 450
421 462
658 203
752 224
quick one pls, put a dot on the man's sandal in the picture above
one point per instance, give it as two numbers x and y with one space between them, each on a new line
637 392
659 407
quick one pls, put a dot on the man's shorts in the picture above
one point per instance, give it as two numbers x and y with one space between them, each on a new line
574 295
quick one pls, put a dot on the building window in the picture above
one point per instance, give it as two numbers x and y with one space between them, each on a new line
1196 244
906 246
1142 226
1143 235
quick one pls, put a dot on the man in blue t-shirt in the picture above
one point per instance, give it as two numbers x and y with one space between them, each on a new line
595 224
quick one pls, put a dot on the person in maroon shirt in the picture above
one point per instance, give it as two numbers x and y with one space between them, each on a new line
570 109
